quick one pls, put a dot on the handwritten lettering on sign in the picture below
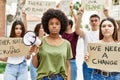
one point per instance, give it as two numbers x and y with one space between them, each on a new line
91 5
12 47
65 6
104 56
37 7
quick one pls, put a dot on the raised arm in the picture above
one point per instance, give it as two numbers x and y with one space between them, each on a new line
78 23
72 11
24 16
106 12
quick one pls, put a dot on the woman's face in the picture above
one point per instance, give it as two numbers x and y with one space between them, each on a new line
41 31
54 26
18 30
107 28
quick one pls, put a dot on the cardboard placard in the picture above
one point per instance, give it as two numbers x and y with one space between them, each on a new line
65 6
12 47
104 56
93 5
38 7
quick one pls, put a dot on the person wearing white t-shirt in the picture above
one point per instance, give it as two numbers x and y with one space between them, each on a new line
16 67
88 36
108 34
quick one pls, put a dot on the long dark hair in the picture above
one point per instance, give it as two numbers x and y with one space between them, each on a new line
17 22
37 28
115 33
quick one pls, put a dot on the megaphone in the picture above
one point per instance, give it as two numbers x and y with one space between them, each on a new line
30 38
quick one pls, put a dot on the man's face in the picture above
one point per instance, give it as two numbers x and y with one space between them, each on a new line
94 22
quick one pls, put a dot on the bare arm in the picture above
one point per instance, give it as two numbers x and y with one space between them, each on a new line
78 23
3 59
35 60
68 67
24 16
73 14
105 11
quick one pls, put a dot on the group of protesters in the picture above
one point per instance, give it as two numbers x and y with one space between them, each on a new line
55 58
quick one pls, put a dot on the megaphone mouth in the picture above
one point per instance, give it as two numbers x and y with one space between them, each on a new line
29 38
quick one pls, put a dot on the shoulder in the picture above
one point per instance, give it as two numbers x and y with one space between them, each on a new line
118 42
43 38
66 41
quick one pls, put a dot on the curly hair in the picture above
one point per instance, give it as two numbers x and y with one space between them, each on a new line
54 13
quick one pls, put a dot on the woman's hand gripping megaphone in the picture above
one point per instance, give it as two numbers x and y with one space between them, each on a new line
30 39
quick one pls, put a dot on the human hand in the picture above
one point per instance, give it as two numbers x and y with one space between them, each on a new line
33 50
105 11
58 5
71 6
24 14
81 11
86 57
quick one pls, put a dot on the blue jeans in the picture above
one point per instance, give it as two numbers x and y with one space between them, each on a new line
87 72
56 77
33 72
73 69
96 76
16 71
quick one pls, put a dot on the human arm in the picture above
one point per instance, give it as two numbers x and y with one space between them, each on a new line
72 11
106 12
86 57
35 60
68 67
24 17
78 23
3 59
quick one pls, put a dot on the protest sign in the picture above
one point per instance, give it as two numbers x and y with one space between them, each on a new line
115 12
65 6
95 5
12 47
104 56
38 7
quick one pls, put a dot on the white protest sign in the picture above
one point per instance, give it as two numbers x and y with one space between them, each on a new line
95 5
115 12
38 7
12 47
104 56
65 6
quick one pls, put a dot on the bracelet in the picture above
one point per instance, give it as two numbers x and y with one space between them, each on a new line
33 54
